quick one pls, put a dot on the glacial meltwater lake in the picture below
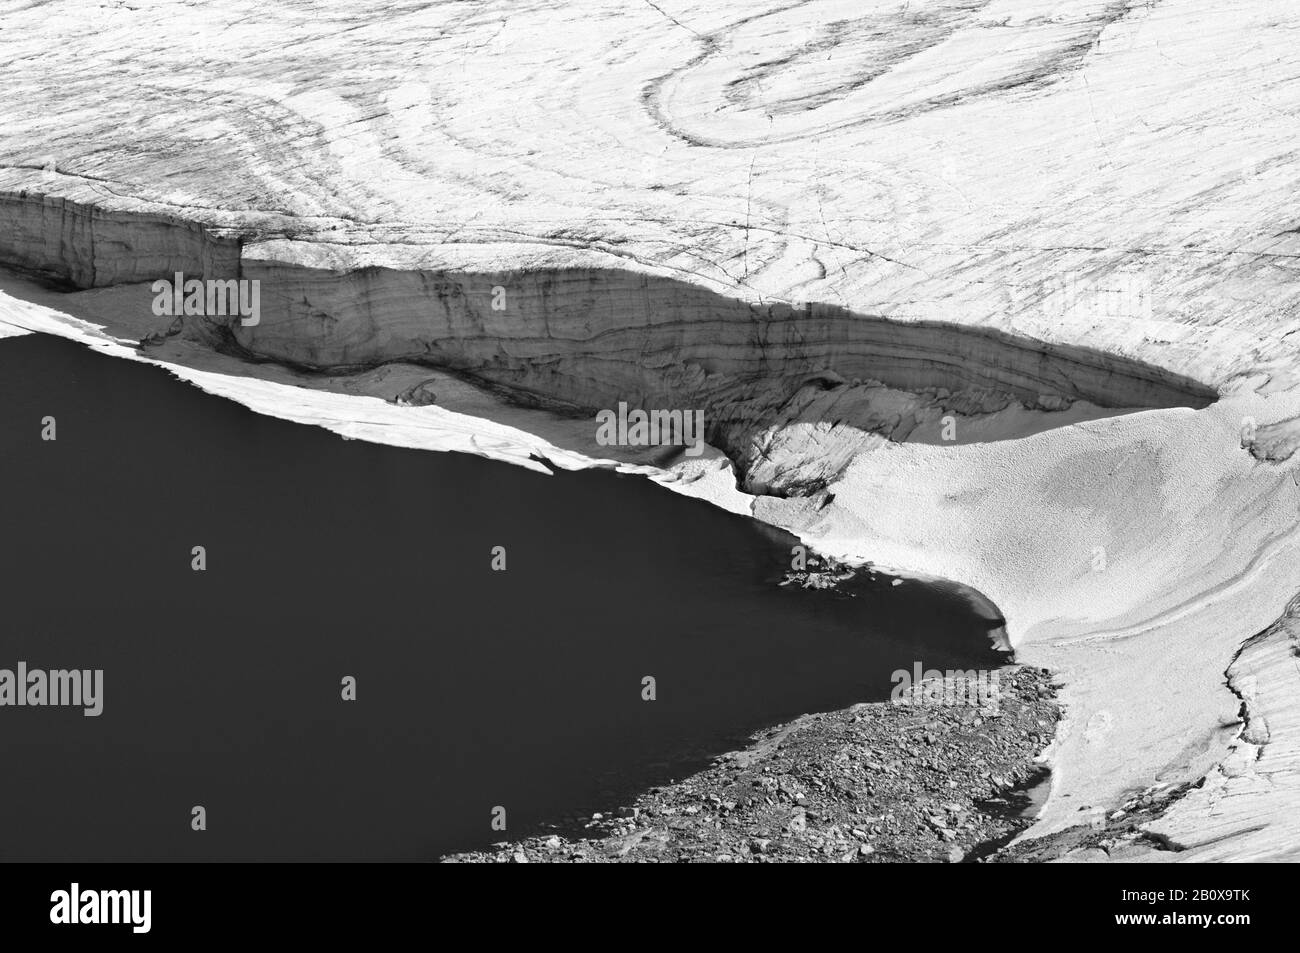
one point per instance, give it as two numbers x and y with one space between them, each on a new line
329 558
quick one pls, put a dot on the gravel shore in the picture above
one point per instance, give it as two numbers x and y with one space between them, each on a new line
879 782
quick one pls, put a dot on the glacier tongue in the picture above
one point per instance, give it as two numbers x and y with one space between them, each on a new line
1069 225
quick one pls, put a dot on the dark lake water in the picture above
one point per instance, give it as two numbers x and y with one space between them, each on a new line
329 558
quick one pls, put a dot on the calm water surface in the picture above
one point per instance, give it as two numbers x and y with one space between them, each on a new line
329 558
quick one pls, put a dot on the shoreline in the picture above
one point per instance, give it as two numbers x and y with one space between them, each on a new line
877 782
